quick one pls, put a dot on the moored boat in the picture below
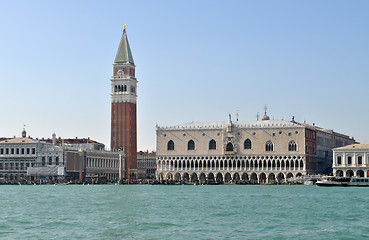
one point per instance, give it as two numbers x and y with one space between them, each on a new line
343 182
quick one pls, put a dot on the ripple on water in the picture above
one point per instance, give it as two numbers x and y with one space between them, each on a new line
183 212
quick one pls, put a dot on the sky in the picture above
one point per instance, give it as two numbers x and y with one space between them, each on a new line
195 61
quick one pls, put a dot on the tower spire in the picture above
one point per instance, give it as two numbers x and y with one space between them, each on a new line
124 54
265 117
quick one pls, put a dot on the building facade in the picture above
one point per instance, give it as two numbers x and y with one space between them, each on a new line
80 159
123 106
16 155
352 160
89 165
146 164
266 151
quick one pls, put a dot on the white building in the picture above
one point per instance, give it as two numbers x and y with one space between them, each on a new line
257 151
352 160
28 159
146 164
16 155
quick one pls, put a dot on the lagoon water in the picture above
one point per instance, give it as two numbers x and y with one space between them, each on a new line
183 212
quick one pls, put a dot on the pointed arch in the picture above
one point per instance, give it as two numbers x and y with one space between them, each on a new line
292 146
212 144
269 147
170 145
191 145
247 144
229 147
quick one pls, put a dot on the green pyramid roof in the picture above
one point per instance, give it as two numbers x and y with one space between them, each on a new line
124 54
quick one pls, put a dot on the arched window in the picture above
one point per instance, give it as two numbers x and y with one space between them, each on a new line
170 145
229 147
57 160
247 144
191 145
50 161
292 146
43 161
212 144
269 146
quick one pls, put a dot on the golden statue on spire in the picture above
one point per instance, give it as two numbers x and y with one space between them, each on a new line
124 26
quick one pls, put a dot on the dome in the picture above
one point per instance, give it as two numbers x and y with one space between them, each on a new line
265 117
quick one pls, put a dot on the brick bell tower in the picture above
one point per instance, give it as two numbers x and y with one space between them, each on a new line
123 106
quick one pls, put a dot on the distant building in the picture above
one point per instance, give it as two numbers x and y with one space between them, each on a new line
257 151
55 159
146 164
88 165
83 160
351 160
16 155
76 142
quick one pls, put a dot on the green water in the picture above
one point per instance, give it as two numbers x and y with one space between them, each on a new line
183 212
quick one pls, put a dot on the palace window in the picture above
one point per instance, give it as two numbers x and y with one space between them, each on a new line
50 161
43 161
229 147
212 144
191 145
349 160
247 144
170 145
292 146
269 146
57 160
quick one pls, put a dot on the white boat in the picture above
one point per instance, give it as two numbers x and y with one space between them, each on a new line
343 182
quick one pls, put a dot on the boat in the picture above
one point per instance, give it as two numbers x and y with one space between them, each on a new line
343 182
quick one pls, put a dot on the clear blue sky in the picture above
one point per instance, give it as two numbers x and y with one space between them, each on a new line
196 61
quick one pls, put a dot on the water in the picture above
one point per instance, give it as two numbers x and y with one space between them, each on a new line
183 212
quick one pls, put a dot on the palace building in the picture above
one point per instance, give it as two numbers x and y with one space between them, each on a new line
265 151
123 106
352 160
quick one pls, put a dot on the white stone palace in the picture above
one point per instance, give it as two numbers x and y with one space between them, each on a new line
264 151
352 160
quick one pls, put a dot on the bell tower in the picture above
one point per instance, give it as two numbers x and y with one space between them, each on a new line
123 105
